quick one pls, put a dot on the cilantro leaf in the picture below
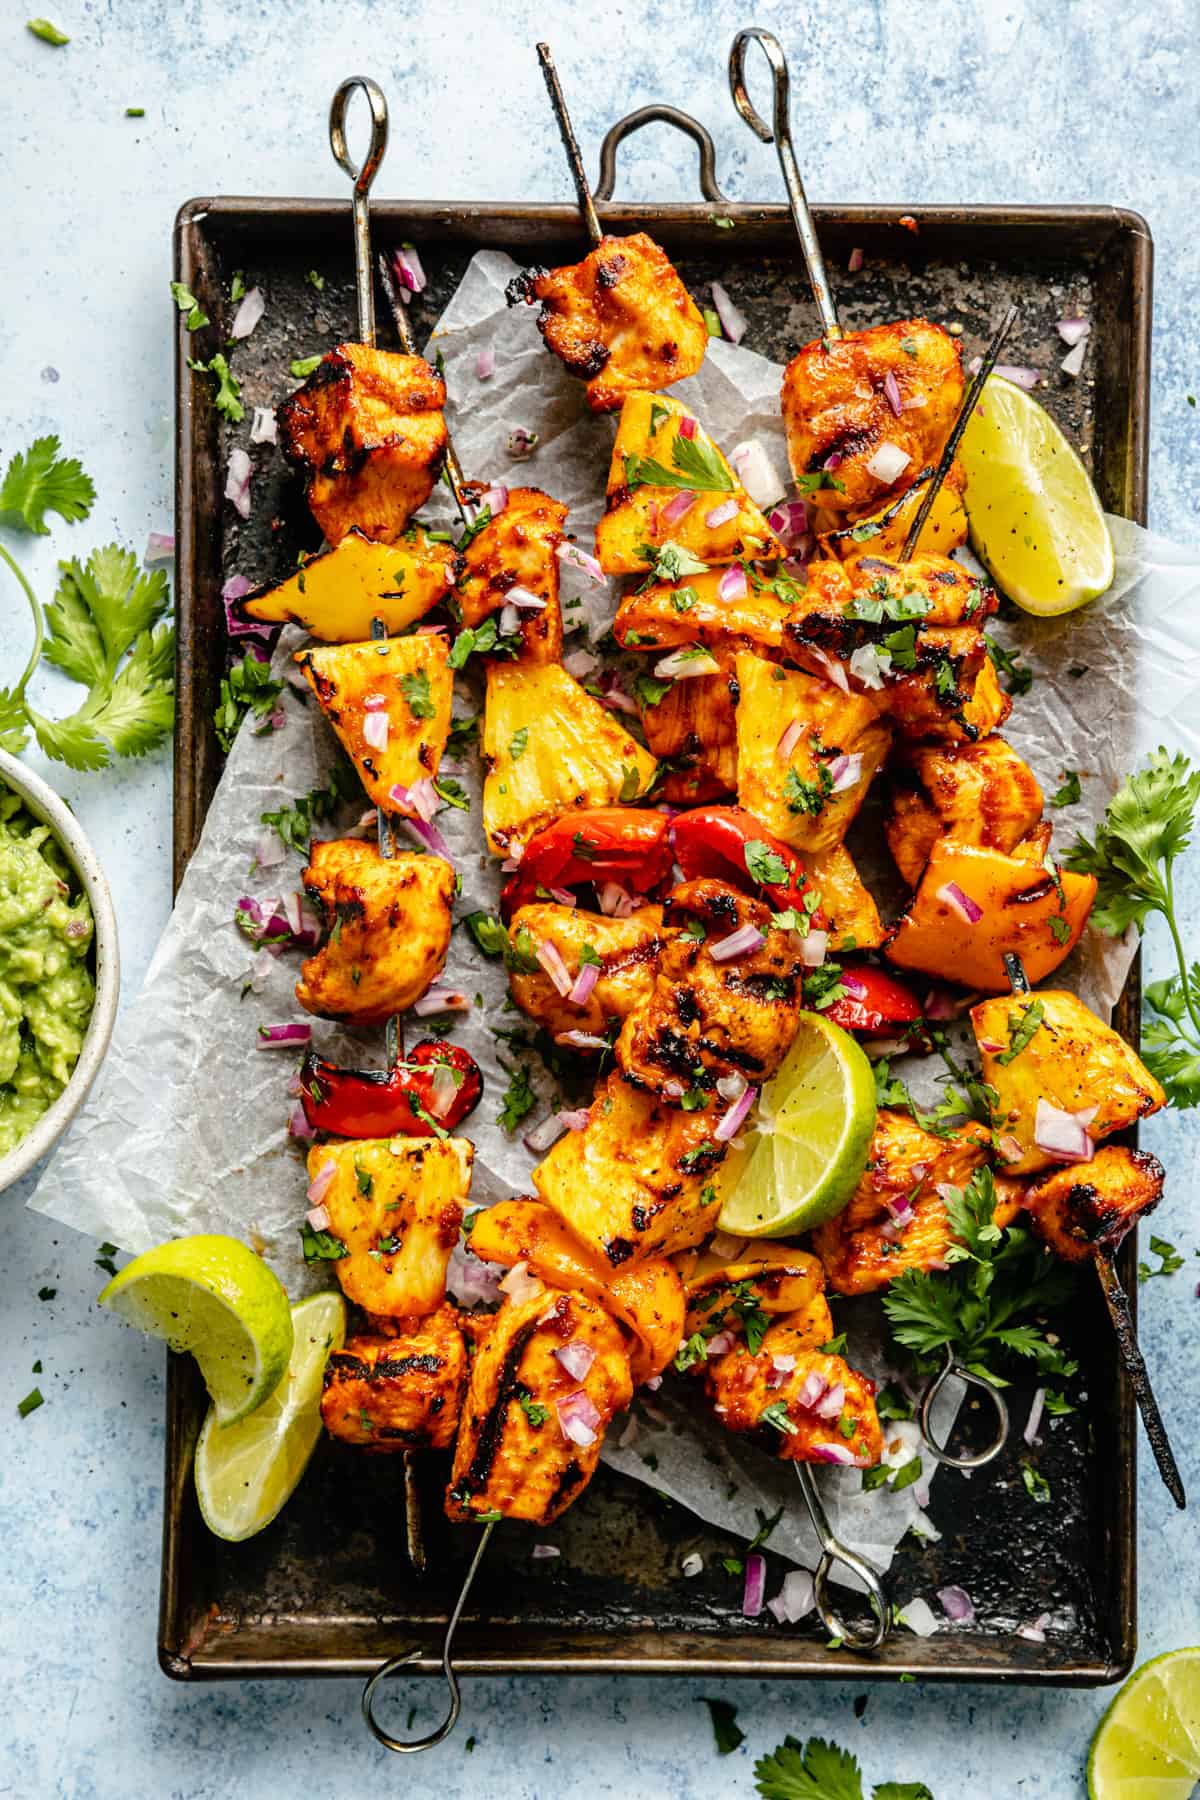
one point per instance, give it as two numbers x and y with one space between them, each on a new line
303 366
650 691
293 822
669 561
14 722
249 687
228 397
764 864
187 303
696 464
39 481
1023 1026
1018 676
73 741
726 1731
99 609
416 692
519 1097
1070 791
901 1790
49 34
813 1771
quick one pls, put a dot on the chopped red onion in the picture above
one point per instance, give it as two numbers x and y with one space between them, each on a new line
520 1284
263 426
733 322
1010 1148
540 1552
754 1586
160 547
789 738
869 664
814 946
250 311
790 522
1035 1417
833 460
742 942
733 584
853 985
918 1616
469 1280
279 1037
585 981
582 1040
577 1418
856 261
615 902
1018 374
564 896
683 664
966 908
525 600
375 730
795 1599
756 472
428 836
834 669
442 1088
409 274
545 1133
1035 1633
831 1404
521 443
318 1187
814 1385
1072 362
692 1565
581 559
835 1453
1073 331
727 1127
581 664
730 1087
888 463
720 1343
845 772
269 849
891 388
550 957
720 515
485 364
510 620
675 508
687 426
237 481
317 1216
1060 1134
494 498
614 696
299 1127
957 1605
939 1004
574 1118
441 1000
576 1358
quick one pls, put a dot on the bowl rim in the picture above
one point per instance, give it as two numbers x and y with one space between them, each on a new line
53 810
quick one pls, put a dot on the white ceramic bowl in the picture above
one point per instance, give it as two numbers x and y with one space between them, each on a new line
46 805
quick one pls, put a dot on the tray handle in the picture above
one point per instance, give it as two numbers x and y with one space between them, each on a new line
665 115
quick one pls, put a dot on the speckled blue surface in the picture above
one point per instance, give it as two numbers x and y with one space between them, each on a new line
957 100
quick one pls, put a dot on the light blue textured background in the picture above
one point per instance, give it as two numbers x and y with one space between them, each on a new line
954 100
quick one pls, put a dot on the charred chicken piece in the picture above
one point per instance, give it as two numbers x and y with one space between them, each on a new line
368 435
975 793
514 558
636 1181
873 408
389 703
1078 1211
620 320
401 1392
905 1161
724 1004
544 1388
387 926
395 1208
623 952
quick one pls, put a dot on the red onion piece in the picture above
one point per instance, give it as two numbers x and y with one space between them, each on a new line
733 584
521 443
564 896
687 426
814 1385
742 942
237 481
409 274
1035 1417
263 428
582 1040
939 1004
680 504
888 463
520 1284
1020 375
756 472
577 1418
835 1453
686 663
728 1125
783 1365
830 1405
250 311
845 772
1073 331
443 1087
375 730
755 1585
833 669
471 1281
495 498
485 364
1060 1134
856 261
720 1343
814 947
317 1216
966 908
720 515
733 322
1010 1148
318 1187
441 1000
510 620
525 600
429 838
550 957
546 1132
279 1037
790 522
614 696
581 559
957 1605
1072 362
918 1616
730 1087
891 388
795 1599
581 664
160 547
269 849
615 901
541 1551
585 981
575 1118
853 985
789 738
1035 1633
576 1358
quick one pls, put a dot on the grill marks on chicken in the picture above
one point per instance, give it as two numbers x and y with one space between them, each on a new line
387 924
620 320
1078 1211
974 793
367 433
401 1392
517 551
627 950
838 412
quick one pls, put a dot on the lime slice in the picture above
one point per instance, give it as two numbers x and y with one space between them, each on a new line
246 1472
1035 520
807 1148
214 1297
1147 1745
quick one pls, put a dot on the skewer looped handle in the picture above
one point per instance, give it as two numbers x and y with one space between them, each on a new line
659 114
779 133
362 179
925 1416
834 1551
402 1745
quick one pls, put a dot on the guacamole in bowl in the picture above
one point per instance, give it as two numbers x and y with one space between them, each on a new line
46 987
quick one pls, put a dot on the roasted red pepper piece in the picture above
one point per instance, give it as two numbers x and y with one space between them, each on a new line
375 1103
712 840
604 843
875 1002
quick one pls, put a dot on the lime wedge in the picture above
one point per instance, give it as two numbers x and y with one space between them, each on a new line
247 1471
1147 1745
214 1297
1035 521
807 1148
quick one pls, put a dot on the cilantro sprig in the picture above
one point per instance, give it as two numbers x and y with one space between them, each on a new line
819 1770
695 465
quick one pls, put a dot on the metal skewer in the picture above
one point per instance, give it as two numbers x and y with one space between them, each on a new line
587 205
362 179
780 134
400 318
833 1551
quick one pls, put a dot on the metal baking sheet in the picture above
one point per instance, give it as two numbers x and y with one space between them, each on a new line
327 1588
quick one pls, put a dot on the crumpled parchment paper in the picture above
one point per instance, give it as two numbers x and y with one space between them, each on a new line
185 1130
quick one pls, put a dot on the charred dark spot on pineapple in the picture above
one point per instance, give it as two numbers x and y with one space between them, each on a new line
619 1250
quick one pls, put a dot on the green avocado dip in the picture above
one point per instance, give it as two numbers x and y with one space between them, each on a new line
46 990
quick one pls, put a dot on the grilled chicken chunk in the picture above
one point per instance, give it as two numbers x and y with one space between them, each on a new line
550 748
395 1208
1078 1211
905 1160
515 553
762 1282
693 726
809 793
389 703
672 499
808 1406
337 595
751 604
713 1016
627 950
859 1261
387 923
1049 1049
621 319
840 400
367 433
974 793
531 1429
635 1181
850 912
401 1392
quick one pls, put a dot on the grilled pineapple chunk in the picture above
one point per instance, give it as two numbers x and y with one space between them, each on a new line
389 930
632 536
517 550
550 748
403 681
1072 1060
338 594
395 1205
711 608
635 1181
811 797
852 915
883 533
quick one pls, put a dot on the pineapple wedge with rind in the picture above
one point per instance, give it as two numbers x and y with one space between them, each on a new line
550 748
404 681
646 516
337 594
